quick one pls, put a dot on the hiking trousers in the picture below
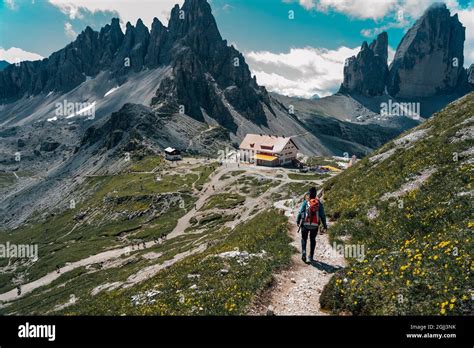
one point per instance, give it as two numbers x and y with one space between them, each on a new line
312 240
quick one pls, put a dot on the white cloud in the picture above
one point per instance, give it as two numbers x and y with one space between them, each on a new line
370 9
128 10
301 72
15 54
373 9
391 55
397 13
70 33
10 4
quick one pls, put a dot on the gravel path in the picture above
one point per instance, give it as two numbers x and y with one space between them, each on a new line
296 290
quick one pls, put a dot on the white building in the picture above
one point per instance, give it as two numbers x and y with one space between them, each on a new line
268 150
172 154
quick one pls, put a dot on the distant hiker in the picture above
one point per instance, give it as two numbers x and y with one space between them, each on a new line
18 290
144 245
311 214
58 269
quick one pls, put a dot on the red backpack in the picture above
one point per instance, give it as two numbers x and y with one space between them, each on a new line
311 218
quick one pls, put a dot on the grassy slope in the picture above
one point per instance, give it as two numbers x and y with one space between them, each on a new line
213 292
60 240
419 248
234 290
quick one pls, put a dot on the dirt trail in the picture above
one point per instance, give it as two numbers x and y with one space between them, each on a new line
50 277
215 185
297 289
108 255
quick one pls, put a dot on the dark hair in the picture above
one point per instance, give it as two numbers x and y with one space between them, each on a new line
312 192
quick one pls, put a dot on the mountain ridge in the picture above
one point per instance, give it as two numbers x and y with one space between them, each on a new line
429 61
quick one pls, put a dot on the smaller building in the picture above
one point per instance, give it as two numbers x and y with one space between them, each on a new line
172 154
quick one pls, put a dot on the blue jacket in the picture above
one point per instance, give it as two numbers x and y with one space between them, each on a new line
302 212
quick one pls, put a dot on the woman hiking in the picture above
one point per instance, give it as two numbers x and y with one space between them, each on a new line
310 216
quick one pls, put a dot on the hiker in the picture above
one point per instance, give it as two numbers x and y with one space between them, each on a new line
58 269
18 290
310 216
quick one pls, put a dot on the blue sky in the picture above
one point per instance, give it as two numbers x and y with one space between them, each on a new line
300 56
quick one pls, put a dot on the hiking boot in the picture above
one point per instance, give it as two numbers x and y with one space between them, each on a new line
303 257
311 260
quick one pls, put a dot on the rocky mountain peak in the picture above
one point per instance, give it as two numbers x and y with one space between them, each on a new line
380 46
195 25
429 59
204 66
208 77
365 74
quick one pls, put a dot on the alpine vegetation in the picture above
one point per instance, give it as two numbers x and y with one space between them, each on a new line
160 169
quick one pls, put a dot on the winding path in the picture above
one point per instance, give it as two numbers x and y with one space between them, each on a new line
213 186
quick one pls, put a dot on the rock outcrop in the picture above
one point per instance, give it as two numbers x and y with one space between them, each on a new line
209 77
428 62
207 72
470 75
430 58
3 64
366 74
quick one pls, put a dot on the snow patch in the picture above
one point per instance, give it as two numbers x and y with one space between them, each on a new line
83 110
111 91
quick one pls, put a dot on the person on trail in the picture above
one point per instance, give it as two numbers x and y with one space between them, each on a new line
310 215
18 290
